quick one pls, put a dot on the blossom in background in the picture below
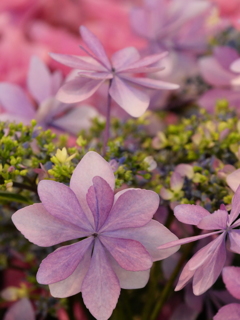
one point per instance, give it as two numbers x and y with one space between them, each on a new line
50 112
229 10
94 70
216 71
206 265
181 30
233 179
162 23
121 239
16 51
231 276
20 310
235 66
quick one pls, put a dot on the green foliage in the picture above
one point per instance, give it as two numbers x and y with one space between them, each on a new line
28 154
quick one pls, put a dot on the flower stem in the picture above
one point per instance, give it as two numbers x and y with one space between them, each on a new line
107 128
166 291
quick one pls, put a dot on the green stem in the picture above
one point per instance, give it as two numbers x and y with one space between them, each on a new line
123 308
107 128
24 187
152 289
166 291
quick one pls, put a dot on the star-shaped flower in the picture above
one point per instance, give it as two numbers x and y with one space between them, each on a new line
206 265
42 86
94 70
120 238
231 276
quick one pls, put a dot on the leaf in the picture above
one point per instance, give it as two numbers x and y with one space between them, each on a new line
9 197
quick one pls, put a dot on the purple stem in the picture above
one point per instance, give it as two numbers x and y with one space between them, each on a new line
107 128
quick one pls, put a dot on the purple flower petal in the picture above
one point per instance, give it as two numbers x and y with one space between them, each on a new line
100 200
214 73
204 254
144 62
209 99
176 181
151 236
73 284
91 165
15 101
134 208
144 70
125 57
21 310
129 279
56 81
79 118
225 56
187 240
130 254
190 213
95 46
185 170
231 278
216 220
185 277
100 298
205 276
43 229
39 80
228 312
132 100
96 75
61 263
235 66
14 118
83 63
233 179
235 206
234 240
61 202
151 83
78 89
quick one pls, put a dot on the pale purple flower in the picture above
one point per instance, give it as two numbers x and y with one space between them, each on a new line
43 86
206 265
231 277
120 238
125 90
235 66
181 30
177 181
233 179
20 310
216 70
165 24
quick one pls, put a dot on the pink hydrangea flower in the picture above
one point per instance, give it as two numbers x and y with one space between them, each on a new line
231 276
43 85
206 265
120 238
94 70
217 71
